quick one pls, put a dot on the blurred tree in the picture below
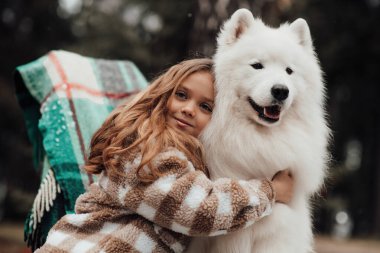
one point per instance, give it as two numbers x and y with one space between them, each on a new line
347 42
151 33
28 29
210 15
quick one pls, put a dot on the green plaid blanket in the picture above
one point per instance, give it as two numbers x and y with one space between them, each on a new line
65 98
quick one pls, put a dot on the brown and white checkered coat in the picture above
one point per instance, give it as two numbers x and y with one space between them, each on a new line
121 214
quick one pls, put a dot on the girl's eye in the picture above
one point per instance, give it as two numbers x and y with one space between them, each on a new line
257 65
289 71
181 94
206 107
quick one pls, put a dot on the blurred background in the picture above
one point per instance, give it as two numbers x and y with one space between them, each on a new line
158 33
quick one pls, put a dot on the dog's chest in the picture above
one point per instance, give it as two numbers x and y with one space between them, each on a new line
248 155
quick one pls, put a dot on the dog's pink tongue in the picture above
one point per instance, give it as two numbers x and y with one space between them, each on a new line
272 112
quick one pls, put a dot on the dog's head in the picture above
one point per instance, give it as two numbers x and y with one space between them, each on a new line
267 70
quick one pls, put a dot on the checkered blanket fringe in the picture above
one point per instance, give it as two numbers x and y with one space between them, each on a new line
44 200
65 97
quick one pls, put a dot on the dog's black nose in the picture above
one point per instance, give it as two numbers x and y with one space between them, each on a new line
280 92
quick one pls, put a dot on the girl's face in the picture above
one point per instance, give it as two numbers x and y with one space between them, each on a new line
190 107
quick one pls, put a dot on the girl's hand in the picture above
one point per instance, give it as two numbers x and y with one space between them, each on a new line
283 184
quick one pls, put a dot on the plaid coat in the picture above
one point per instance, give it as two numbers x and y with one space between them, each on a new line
121 214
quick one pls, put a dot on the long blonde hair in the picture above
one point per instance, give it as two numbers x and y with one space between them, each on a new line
141 126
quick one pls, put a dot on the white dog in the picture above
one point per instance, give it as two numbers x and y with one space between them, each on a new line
268 116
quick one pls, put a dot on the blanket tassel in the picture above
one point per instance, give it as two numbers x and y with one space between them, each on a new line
47 193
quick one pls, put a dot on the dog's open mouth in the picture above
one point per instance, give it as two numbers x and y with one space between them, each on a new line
268 113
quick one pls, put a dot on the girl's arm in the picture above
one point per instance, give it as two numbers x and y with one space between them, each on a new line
186 201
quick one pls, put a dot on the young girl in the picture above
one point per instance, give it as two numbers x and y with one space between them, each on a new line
153 193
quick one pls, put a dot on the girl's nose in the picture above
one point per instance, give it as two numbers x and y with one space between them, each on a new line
189 109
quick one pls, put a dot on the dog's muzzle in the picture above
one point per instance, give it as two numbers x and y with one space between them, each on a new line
270 114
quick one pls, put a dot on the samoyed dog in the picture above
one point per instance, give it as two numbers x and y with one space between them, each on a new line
268 116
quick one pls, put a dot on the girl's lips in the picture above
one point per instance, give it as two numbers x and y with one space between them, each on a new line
183 123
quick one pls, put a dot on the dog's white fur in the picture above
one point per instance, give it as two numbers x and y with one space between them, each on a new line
239 144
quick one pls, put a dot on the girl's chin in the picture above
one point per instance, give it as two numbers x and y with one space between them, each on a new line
184 129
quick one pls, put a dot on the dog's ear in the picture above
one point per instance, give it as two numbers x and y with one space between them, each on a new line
233 28
301 29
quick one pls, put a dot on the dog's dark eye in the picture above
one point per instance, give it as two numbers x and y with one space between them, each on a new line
257 65
289 71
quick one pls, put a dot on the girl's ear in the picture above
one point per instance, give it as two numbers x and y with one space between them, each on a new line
235 27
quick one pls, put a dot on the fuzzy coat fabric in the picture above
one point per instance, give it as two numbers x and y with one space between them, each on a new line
121 214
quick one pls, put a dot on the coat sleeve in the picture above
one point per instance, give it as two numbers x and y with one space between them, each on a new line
186 201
